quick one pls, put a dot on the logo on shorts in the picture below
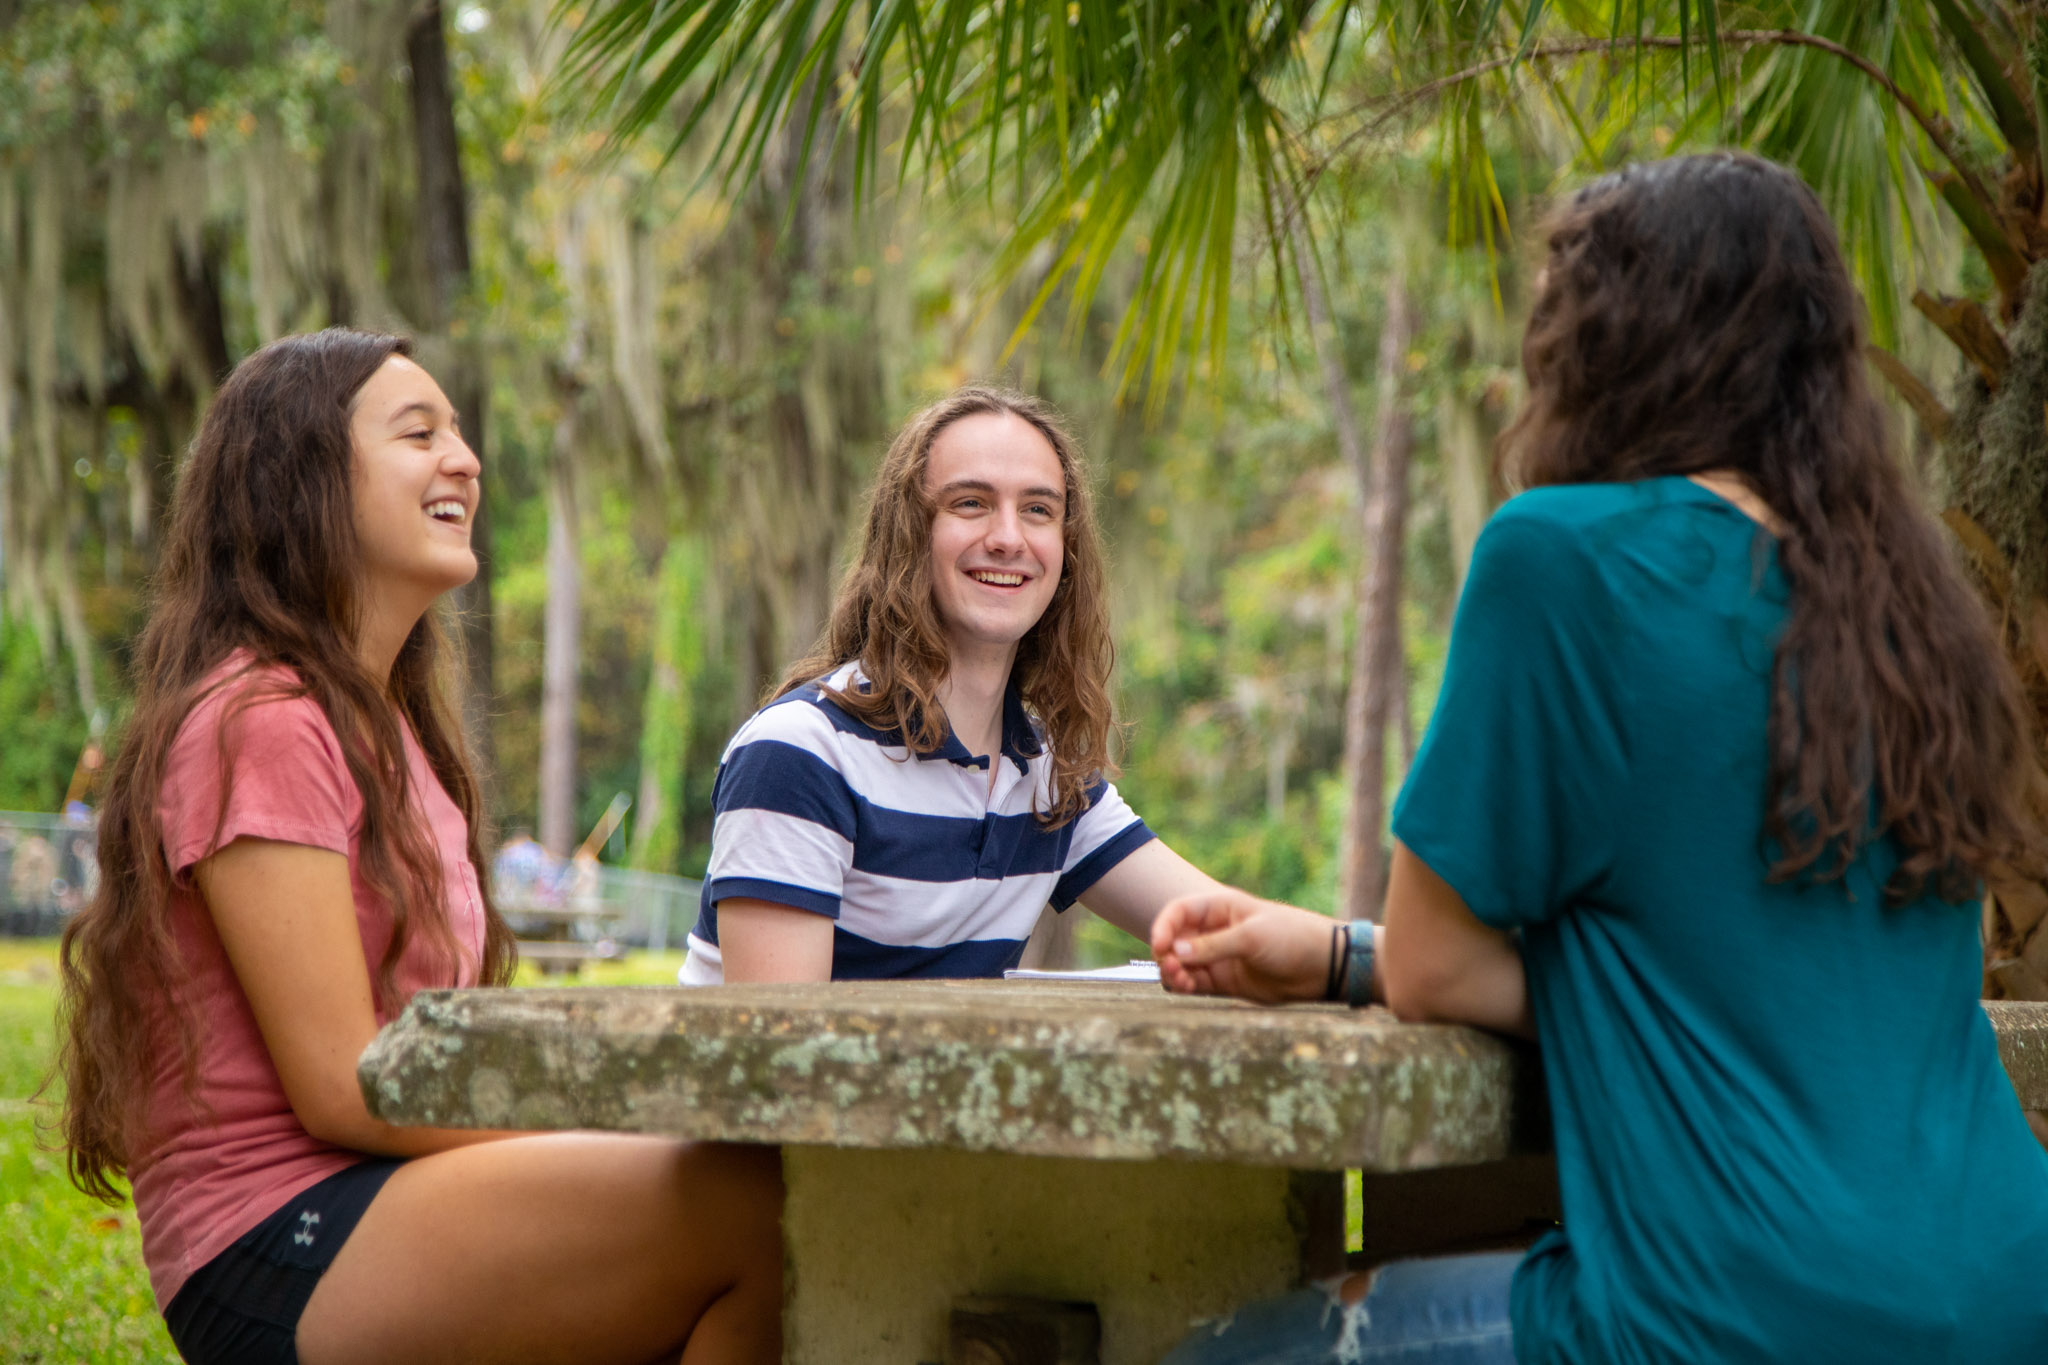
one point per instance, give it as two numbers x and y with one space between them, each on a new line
304 1236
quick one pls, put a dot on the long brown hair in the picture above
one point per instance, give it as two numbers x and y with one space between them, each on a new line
885 616
1695 315
260 556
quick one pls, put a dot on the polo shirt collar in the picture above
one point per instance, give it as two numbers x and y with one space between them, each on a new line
1020 742
1020 736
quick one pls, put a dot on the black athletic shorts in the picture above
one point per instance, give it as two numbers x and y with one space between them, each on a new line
243 1306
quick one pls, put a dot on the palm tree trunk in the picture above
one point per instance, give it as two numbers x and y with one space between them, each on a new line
1995 455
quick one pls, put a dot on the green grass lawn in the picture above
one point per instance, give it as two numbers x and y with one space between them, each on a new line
72 1285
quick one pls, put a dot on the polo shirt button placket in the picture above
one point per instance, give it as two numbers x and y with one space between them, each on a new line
982 869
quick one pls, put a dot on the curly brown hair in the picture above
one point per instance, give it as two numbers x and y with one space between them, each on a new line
886 619
1695 315
260 556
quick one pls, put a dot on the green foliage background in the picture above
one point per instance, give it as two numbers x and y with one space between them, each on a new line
1228 514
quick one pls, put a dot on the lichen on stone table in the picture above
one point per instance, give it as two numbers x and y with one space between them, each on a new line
1031 1068
2022 1030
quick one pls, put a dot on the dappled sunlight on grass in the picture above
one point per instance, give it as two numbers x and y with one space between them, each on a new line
634 969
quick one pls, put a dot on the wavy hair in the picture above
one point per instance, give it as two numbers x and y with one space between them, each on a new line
260 556
1695 315
885 616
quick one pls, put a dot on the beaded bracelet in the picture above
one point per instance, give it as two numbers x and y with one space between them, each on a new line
1333 980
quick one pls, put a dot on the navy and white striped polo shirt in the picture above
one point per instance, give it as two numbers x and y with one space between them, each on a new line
923 870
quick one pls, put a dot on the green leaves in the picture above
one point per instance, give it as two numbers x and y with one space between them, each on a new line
120 74
1990 69
1110 126
1875 102
1116 125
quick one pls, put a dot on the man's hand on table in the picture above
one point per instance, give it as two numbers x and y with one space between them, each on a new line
1229 942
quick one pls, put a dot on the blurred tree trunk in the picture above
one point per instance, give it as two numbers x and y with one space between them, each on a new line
562 616
1377 675
796 324
443 218
63 570
561 625
1377 692
667 720
1329 351
1051 947
1465 456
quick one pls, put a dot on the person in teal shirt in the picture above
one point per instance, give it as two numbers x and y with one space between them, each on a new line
1724 750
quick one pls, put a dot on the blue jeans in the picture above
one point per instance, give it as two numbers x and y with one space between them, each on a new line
1450 1310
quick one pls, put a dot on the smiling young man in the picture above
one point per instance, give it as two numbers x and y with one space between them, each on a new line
933 774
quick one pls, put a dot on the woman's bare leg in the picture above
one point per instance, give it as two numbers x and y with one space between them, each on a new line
573 1247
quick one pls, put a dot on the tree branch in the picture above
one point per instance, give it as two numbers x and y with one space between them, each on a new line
1909 386
1963 322
1385 111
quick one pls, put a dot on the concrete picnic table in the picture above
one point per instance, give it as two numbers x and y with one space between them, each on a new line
1160 1157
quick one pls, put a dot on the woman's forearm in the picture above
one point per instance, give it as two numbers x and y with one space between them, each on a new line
1439 964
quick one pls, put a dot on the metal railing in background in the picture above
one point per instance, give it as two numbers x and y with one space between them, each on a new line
48 869
656 911
581 899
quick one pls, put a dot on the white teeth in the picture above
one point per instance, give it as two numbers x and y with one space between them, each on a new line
448 510
1006 580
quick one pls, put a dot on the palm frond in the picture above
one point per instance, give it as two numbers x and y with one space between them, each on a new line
1103 118
1863 97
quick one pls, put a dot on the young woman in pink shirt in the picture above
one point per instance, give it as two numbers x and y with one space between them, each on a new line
289 850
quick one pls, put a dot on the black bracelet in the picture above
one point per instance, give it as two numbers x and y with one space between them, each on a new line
1333 982
1360 947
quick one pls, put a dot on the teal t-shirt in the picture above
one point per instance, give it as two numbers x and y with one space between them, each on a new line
1783 1133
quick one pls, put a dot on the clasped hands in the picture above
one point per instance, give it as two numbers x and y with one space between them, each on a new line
1435 960
1230 942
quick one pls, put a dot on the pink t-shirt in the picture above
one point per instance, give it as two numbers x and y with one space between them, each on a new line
202 1181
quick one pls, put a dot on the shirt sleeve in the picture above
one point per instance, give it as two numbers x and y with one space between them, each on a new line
782 828
1513 792
246 764
1105 834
